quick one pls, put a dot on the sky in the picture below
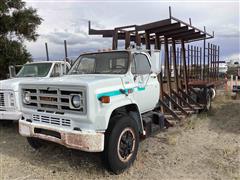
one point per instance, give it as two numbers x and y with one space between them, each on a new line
68 20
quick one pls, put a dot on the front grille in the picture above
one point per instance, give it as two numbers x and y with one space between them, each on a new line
2 100
51 120
55 99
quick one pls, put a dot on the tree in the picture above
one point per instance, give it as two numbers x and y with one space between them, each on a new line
17 23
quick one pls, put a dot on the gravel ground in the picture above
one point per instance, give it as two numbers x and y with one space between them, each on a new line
205 146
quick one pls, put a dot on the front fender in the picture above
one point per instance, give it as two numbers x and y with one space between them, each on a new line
106 110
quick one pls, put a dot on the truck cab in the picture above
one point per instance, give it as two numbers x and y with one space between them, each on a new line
9 88
98 107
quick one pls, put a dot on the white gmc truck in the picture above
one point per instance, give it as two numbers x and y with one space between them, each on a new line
30 72
104 104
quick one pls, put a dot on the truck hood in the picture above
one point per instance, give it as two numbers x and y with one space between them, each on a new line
13 84
79 80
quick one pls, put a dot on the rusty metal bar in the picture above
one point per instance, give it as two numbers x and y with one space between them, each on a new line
153 25
214 55
185 75
165 29
175 65
167 65
192 62
188 54
170 59
208 66
175 103
157 42
160 76
137 39
201 69
127 40
182 99
190 21
197 55
194 69
211 74
218 60
46 46
189 98
147 40
215 62
115 40
179 62
65 49
191 26
204 56
176 32
169 110
185 34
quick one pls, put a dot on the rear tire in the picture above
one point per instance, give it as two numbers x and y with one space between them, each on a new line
209 102
35 143
213 93
121 144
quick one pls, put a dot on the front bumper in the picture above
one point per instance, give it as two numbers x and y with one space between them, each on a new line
85 141
10 115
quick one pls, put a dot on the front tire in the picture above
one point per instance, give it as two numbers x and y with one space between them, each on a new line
121 144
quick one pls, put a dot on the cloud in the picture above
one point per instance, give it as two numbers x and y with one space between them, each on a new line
69 21
71 38
235 56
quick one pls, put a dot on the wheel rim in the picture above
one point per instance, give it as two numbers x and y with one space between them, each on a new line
126 144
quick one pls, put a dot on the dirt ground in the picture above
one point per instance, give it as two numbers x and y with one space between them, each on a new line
206 146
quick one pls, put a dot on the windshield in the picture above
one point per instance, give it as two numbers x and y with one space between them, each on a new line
35 70
101 63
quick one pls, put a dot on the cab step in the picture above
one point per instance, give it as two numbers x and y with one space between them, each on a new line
153 122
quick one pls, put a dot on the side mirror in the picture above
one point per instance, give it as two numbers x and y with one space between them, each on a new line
156 61
134 77
12 71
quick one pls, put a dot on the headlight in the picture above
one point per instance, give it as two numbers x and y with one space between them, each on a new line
76 101
26 97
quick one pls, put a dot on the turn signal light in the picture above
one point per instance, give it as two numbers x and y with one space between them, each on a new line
105 99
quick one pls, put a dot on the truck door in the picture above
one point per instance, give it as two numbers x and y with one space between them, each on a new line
146 91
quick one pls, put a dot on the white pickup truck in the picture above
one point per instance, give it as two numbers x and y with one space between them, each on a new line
103 105
30 72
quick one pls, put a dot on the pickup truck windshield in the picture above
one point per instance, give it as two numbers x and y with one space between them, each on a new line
35 70
101 63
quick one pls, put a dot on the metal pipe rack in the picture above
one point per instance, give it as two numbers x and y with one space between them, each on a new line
193 66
